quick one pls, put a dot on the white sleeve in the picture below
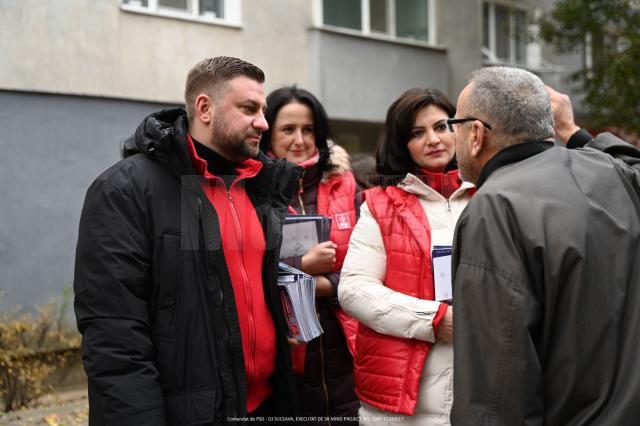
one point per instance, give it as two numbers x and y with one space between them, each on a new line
363 295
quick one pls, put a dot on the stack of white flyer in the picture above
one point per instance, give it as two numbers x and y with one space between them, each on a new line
297 291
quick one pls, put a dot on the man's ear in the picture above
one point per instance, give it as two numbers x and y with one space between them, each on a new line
204 108
478 139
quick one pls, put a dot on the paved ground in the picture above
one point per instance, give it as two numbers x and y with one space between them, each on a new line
62 409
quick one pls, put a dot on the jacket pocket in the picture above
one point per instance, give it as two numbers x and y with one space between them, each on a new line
167 261
191 408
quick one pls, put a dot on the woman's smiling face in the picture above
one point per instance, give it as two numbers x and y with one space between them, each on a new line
293 134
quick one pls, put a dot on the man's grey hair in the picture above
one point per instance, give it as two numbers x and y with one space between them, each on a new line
513 101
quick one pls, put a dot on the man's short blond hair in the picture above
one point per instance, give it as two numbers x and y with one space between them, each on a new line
209 75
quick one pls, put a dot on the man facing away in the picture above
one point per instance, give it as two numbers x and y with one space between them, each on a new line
176 265
546 271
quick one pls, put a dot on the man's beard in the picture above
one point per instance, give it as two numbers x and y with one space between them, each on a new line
465 169
233 145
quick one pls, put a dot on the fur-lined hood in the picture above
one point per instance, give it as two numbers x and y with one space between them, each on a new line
340 160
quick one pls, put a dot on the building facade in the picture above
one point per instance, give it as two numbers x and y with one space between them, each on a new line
77 76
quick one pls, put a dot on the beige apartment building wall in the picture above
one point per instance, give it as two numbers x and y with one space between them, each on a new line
93 47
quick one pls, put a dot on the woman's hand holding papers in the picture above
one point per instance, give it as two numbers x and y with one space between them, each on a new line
320 259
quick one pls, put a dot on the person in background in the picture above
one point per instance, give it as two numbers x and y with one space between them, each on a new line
364 169
179 310
299 132
546 271
404 357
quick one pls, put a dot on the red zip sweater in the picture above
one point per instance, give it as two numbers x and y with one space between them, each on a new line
243 245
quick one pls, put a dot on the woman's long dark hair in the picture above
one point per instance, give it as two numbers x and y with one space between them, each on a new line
286 95
393 160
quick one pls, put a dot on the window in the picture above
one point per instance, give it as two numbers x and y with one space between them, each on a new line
400 19
588 53
218 11
504 31
174 4
213 8
411 19
343 13
379 16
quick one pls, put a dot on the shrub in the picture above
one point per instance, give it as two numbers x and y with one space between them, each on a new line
31 347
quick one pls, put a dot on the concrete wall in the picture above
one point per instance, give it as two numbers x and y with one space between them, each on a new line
357 78
460 29
92 47
52 148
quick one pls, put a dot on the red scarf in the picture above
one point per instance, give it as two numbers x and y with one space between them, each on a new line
446 183
309 162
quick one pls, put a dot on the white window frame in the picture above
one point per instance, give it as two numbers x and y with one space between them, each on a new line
365 21
491 51
232 12
588 54
534 61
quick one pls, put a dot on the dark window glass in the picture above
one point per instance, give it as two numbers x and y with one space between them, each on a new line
412 17
520 36
502 32
215 7
174 4
342 13
485 25
378 14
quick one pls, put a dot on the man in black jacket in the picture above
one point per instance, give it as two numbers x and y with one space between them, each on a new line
546 271
176 264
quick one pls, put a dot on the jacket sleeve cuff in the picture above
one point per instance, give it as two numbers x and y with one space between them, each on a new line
294 261
439 315
334 279
579 139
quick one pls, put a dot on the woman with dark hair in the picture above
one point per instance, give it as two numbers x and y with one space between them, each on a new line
364 169
299 131
404 357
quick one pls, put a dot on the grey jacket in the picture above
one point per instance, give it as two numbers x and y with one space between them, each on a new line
546 288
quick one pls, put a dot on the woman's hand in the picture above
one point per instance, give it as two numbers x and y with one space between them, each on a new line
293 342
320 259
324 288
445 328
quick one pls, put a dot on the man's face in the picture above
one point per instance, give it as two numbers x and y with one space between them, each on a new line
468 164
238 119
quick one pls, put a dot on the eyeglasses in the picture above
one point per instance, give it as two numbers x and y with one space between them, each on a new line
452 121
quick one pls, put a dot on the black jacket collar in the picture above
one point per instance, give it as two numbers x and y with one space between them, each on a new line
163 135
512 154
217 164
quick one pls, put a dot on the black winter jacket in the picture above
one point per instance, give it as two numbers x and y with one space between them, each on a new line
546 290
326 389
154 300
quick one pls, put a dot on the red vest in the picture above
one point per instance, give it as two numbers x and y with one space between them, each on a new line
387 369
336 199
